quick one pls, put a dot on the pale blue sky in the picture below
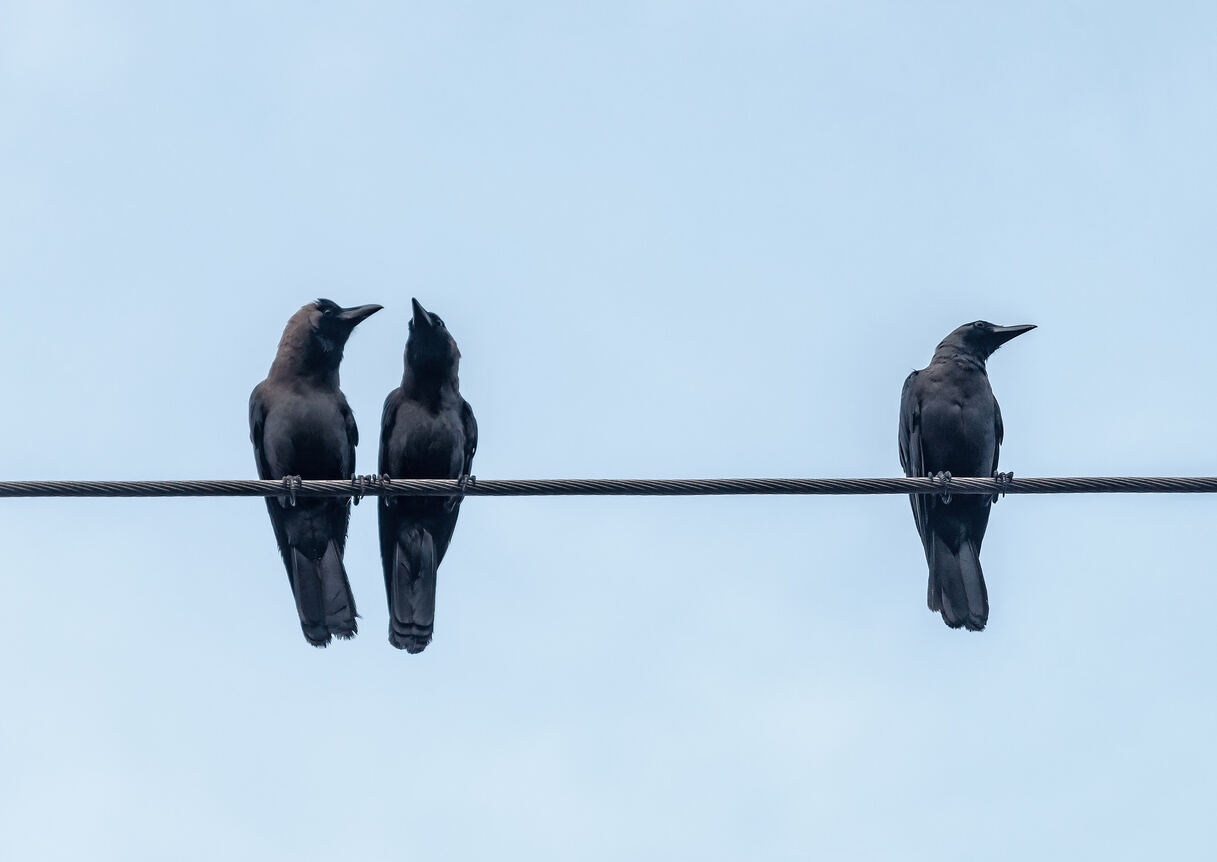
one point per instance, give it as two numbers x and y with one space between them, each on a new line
672 239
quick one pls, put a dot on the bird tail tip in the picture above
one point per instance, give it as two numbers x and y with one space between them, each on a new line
969 622
316 635
413 639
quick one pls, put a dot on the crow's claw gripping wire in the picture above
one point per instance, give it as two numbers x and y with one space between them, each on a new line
384 480
361 484
943 479
1004 481
462 483
291 484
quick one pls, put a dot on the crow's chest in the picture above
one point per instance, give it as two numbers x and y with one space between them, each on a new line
958 423
308 437
426 443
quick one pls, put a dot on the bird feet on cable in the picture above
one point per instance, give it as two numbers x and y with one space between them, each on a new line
1004 481
943 479
384 479
291 484
362 483
462 483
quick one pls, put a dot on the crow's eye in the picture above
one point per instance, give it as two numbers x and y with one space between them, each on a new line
436 320
328 311
980 324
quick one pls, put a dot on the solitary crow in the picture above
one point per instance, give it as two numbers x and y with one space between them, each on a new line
427 432
301 425
950 424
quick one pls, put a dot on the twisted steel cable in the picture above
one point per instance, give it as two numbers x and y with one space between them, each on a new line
374 486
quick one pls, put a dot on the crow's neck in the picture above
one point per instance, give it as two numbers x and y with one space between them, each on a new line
947 353
430 383
312 359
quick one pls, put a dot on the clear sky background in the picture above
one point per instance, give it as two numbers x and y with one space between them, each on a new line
673 239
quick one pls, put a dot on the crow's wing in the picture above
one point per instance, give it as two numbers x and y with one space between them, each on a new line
471 436
1000 432
388 514
259 408
912 456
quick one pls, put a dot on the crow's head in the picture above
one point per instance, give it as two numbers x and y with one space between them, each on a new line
430 347
981 338
314 337
330 325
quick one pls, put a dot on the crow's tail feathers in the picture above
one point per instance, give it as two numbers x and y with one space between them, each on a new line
957 586
323 596
412 590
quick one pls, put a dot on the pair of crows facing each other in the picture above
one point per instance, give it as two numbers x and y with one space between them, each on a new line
301 425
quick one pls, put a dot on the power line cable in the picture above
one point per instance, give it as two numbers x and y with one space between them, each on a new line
373 486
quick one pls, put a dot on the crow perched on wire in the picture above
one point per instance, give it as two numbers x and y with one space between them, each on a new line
301 426
427 432
950 424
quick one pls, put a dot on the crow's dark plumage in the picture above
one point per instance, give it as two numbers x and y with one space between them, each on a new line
950 423
427 432
300 425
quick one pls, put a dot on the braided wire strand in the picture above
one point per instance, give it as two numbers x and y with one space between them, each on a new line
380 487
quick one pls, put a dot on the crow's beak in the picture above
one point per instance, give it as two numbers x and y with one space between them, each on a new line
1002 334
421 318
353 316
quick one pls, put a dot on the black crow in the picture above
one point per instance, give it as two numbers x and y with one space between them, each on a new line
427 432
301 425
950 423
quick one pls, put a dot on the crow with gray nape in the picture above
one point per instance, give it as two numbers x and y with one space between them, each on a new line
950 425
427 432
301 426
